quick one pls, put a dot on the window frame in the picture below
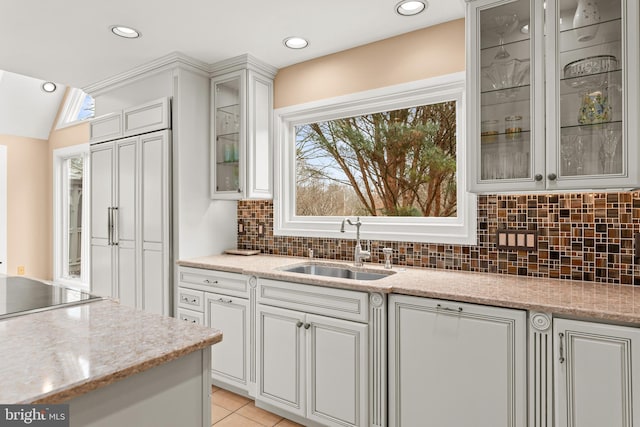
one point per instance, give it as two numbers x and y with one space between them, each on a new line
450 230
60 216
72 106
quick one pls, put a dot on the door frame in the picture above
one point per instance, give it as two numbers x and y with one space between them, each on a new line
3 209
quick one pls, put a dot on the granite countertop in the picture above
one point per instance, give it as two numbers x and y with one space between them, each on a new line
578 299
55 355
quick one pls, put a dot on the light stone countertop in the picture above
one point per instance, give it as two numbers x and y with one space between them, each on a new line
577 299
55 355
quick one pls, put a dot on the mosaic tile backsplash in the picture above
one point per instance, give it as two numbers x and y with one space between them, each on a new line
584 236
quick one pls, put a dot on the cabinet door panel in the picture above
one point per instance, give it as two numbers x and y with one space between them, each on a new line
127 189
101 190
229 360
595 382
281 380
127 276
457 364
155 292
102 270
337 371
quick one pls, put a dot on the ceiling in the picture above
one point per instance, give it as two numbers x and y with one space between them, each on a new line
72 44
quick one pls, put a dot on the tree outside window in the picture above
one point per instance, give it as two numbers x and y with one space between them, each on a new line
393 163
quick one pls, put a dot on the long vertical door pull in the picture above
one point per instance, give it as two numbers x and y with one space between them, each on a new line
114 226
109 227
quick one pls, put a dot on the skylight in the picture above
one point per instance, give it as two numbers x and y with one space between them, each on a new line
78 106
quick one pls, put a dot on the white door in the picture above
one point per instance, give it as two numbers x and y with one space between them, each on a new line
281 370
3 209
337 371
453 365
154 289
597 374
125 218
229 359
102 260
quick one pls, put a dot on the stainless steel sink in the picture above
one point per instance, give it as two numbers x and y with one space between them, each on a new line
339 272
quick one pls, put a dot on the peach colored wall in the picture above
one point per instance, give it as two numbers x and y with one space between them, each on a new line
28 224
30 198
417 55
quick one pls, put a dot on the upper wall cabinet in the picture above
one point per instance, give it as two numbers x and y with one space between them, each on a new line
148 117
552 106
241 129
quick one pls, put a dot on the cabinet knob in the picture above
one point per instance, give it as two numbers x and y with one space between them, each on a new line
307 325
552 176
299 324
538 177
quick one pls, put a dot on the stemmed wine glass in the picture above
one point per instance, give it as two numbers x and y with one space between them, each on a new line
505 24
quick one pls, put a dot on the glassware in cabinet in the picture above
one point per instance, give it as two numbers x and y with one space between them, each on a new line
591 85
505 92
227 130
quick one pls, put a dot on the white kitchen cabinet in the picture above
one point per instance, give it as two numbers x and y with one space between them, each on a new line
313 366
241 129
229 361
456 364
597 374
130 220
556 107
224 302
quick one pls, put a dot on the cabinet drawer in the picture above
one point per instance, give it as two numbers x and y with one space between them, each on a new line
191 316
191 299
215 281
341 303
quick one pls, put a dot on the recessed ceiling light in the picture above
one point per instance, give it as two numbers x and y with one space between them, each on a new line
49 87
126 32
295 43
410 7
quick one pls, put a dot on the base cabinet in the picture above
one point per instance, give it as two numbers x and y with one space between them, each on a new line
313 366
597 374
453 364
222 301
229 360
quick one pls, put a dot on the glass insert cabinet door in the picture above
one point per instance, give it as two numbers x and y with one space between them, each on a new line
590 83
504 75
228 131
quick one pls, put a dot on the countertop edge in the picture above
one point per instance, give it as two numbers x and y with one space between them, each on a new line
78 389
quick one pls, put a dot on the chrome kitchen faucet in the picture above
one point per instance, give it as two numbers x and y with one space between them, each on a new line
359 254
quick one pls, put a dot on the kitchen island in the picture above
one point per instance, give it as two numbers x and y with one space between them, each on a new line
112 364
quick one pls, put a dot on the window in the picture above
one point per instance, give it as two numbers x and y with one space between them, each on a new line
393 156
78 106
70 219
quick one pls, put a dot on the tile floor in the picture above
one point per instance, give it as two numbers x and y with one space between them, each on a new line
231 410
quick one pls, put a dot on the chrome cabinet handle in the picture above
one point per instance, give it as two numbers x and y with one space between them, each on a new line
299 324
443 308
552 177
561 349
538 177
210 282
226 301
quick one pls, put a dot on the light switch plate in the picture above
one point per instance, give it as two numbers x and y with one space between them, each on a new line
522 240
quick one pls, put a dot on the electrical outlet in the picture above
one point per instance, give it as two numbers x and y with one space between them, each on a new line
21 270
